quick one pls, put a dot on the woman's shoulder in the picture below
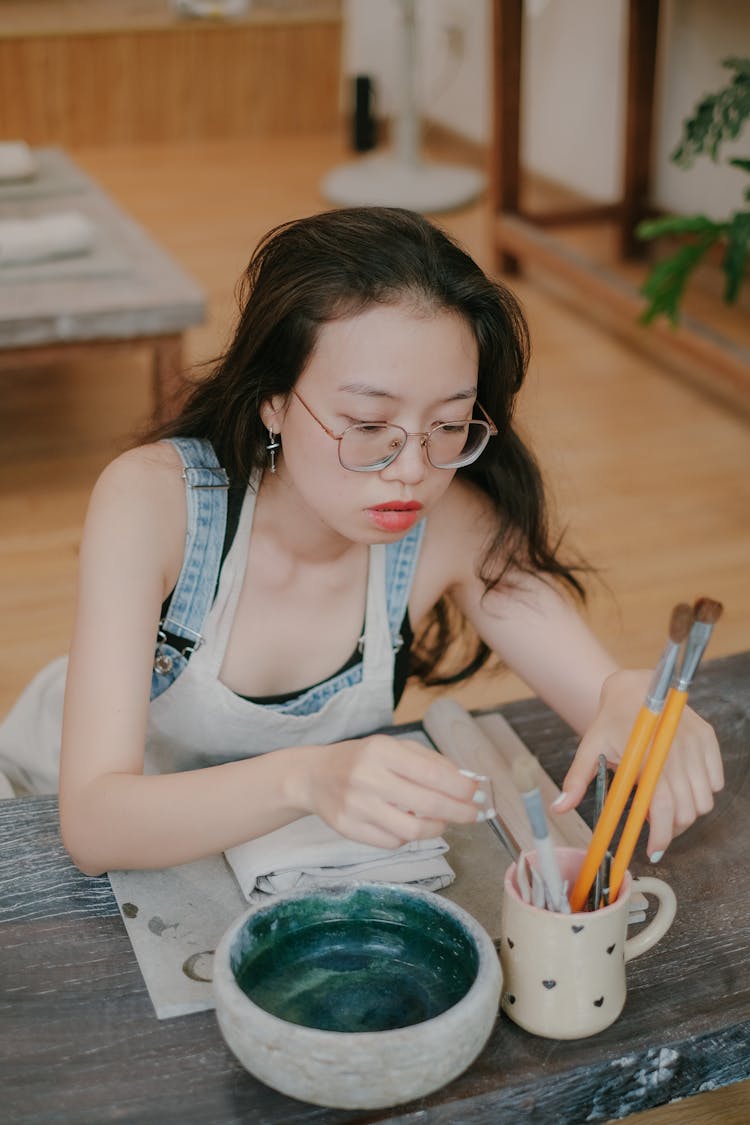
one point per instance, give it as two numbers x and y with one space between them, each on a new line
148 471
140 497
464 509
457 532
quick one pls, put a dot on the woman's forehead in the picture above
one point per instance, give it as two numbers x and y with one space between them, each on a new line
365 352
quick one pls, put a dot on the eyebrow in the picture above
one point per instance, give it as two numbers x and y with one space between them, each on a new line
357 388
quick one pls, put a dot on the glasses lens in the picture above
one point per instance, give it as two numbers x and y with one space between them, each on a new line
370 447
457 443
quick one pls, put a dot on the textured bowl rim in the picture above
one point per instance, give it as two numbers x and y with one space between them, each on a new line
237 999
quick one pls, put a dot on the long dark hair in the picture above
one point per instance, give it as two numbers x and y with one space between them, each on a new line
336 264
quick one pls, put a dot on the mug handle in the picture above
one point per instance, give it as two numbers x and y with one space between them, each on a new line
661 921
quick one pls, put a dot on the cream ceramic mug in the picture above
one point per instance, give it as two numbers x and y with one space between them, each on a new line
564 974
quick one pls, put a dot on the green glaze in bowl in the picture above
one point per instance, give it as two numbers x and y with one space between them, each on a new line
359 996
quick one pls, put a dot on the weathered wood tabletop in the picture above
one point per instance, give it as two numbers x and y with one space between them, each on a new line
126 290
79 1041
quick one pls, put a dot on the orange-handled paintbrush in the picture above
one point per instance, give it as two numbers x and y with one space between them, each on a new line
637 745
707 613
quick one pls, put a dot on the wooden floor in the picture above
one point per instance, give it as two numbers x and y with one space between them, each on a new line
650 477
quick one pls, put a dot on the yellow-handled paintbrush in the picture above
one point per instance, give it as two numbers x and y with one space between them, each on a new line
635 750
707 613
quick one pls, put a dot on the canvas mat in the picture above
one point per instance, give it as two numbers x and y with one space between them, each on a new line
175 917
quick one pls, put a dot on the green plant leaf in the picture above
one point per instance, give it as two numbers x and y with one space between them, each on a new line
677 224
666 282
735 258
717 117
738 162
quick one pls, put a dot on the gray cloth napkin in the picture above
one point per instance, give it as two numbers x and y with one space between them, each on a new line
46 237
17 161
307 854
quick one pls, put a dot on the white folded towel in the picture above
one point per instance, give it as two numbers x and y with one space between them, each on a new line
307 854
17 161
62 235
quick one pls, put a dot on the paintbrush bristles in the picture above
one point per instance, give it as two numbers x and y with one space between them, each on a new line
524 775
707 611
680 622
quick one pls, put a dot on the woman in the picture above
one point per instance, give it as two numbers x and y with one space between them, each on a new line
379 502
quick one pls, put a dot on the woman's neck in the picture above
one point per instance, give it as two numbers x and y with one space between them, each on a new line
285 521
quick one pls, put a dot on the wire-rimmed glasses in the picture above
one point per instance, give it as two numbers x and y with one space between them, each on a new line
367 447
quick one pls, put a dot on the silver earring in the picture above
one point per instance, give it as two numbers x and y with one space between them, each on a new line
272 446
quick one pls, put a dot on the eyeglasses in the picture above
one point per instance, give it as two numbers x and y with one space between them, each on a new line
367 447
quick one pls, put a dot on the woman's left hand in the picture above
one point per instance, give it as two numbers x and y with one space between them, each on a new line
692 773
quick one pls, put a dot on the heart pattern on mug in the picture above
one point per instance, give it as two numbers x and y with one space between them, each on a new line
610 948
576 929
549 983
598 1003
510 943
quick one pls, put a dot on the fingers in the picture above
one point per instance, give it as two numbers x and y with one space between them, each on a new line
386 792
581 773
692 774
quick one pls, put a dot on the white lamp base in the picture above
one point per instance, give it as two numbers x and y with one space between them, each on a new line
383 181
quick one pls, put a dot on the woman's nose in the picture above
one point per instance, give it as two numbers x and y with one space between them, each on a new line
411 464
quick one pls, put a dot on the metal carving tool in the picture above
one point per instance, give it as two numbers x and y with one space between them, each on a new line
595 896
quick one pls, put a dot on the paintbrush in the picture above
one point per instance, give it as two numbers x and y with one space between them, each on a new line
634 753
600 795
707 613
524 777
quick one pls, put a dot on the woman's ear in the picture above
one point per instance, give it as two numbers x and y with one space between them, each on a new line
272 412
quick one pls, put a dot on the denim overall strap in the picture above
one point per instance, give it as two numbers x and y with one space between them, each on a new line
400 564
206 485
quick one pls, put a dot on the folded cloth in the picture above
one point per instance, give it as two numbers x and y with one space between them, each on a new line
307 854
17 161
62 235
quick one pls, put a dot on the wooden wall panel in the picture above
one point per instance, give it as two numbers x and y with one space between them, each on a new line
183 84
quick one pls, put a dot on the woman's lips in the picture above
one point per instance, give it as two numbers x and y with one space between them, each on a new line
395 515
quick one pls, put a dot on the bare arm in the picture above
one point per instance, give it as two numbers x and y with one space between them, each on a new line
533 627
112 816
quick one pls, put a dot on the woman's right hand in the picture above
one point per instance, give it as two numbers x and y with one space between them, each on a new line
387 791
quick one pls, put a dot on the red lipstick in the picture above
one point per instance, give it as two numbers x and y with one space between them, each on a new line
395 515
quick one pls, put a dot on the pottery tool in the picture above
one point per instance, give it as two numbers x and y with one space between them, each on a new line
599 797
707 613
453 731
633 755
457 735
489 815
524 885
567 829
525 780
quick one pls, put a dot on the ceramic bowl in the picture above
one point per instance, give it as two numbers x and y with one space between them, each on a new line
356 997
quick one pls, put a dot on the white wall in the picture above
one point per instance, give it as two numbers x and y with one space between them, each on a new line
698 35
572 94
453 91
573 84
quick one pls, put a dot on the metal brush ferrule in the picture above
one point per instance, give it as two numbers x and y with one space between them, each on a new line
659 686
694 649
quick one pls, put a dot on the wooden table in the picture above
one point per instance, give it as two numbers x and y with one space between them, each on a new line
79 1041
127 291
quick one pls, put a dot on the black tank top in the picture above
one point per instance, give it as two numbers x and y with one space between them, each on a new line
235 497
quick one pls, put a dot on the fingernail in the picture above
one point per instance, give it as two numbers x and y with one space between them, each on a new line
474 776
479 797
656 856
558 801
485 814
